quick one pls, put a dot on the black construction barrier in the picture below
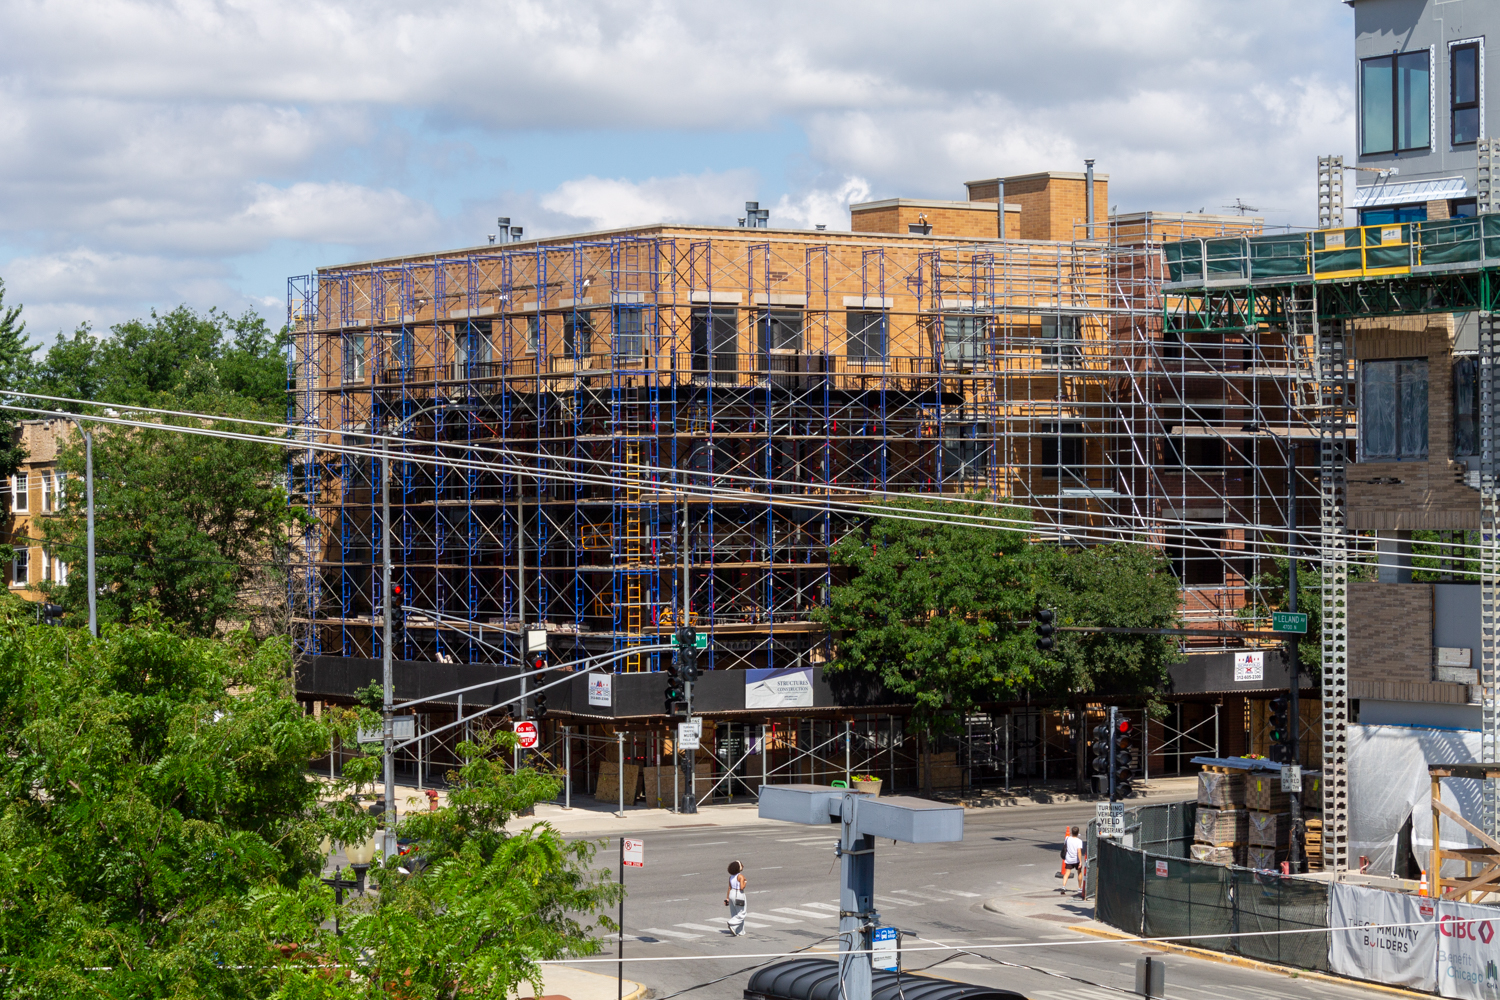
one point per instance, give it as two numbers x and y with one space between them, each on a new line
818 979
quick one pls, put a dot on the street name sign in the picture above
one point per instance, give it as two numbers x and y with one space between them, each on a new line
1289 621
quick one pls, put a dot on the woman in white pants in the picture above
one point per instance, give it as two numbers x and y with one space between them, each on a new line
734 898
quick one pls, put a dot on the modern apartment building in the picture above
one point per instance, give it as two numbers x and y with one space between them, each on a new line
1423 98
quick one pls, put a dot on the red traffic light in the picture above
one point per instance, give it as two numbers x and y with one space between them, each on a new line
396 590
540 663
1122 726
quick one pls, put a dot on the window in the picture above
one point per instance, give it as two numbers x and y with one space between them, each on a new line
354 357
20 492
715 340
963 339
630 333
780 330
1463 92
20 567
1062 339
1393 214
964 452
476 346
48 504
1393 411
47 564
1062 452
533 334
578 334
59 572
1196 560
1394 94
865 336
1465 407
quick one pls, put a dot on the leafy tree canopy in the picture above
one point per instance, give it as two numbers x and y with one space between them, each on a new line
17 367
182 351
162 836
183 522
937 613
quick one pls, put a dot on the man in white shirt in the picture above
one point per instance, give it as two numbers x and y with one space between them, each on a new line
1074 854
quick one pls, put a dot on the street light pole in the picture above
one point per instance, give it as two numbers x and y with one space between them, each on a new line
88 489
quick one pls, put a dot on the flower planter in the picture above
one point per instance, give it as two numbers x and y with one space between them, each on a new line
866 787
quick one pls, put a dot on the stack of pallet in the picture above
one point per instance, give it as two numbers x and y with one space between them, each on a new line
1222 830
1271 819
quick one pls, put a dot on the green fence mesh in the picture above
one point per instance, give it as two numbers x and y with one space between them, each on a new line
1157 894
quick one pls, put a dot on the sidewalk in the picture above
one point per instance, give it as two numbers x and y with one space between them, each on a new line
590 816
561 982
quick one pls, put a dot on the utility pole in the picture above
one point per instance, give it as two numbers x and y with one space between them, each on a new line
690 671
1294 721
388 731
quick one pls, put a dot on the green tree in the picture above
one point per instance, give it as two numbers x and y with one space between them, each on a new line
17 370
162 836
1271 591
936 612
183 522
144 361
154 787
1114 586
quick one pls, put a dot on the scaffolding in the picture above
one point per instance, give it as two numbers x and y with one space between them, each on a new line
822 367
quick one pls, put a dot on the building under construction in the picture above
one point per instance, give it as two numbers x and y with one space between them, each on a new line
604 402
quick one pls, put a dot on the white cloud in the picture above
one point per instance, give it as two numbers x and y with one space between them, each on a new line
607 203
183 138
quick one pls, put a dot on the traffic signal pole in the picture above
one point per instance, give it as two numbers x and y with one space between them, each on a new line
1114 717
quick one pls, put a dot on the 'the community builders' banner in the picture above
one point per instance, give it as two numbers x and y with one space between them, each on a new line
1457 954
1401 955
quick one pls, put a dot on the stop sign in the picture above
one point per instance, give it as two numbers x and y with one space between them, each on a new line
526 731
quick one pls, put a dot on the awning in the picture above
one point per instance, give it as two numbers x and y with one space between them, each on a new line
1387 192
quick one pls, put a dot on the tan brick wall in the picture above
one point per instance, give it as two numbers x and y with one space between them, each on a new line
972 223
1390 632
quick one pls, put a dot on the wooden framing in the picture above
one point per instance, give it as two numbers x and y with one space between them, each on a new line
1472 887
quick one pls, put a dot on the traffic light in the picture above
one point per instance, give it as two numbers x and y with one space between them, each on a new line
1124 756
687 652
674 696
541 707
1099 751
1043 624
397 611
52 614
1281 734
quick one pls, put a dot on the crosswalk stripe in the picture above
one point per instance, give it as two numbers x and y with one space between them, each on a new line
960 892
778 920
702 927
826 838
921 895
823 906
806 914
663 932
900 902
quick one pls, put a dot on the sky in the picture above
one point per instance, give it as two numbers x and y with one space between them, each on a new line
162 153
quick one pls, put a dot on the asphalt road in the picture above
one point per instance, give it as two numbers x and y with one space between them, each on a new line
937 892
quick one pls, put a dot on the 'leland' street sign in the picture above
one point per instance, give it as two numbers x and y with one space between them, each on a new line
1289 621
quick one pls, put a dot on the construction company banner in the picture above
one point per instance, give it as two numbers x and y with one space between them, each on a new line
1468 954
1403 955
601 694
788 688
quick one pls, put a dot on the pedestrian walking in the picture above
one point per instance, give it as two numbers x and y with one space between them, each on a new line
1073 858
734 898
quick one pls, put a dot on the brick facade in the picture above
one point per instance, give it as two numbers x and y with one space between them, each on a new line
1054 204
966 219
1390 633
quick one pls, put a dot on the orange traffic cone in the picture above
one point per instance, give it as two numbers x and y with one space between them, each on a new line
1422 889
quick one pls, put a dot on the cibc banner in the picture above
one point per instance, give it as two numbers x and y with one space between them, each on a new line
1468 954
1391 939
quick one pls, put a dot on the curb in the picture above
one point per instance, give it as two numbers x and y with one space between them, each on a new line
1247 963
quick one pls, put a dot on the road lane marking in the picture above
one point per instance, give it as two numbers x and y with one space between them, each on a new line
768 868
805 914
777 920
900 902
689 874
823 906
952 892
703 927
920 895
663 932
806 840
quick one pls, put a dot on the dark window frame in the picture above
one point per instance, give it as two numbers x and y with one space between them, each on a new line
1399 419
1395 59
861 328
578 333
1454 105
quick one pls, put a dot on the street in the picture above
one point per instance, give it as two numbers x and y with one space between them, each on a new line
933 893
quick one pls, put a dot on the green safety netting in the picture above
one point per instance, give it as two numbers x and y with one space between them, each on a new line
1226 257
1450 241
1278 256
1387 246
1491 227
1337 250
1266 902
1117 889
1184 260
